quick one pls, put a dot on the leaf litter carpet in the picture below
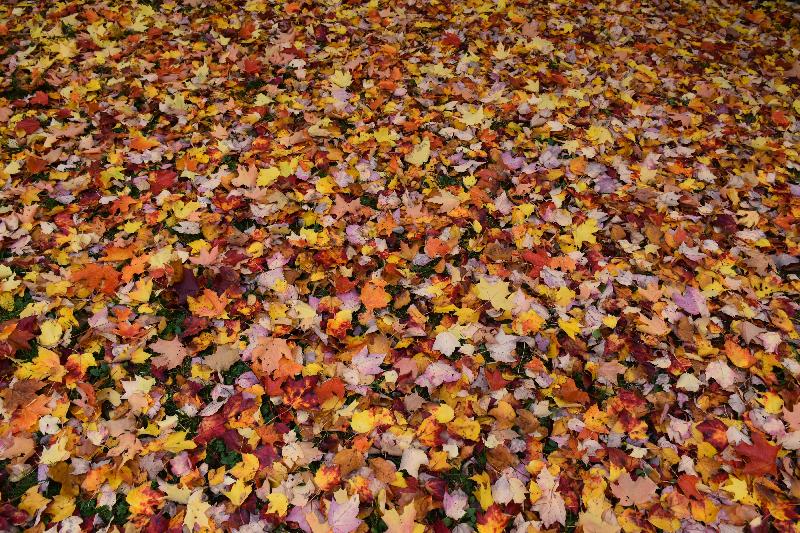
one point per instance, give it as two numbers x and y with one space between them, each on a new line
402 266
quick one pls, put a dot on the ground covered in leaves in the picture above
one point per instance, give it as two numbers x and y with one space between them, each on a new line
399 266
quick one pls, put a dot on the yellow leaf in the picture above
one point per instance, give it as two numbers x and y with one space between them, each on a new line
247 468
51 333
534 492
465 427
585 232
32 501
444 413
144 287
81 361
599 134
325 185
495 293
46 365
341 79
668 524
363 422
570 327
385 135
483 493
61 508
738 489
176 442
472 116
196 511
93 85
401 523
139 356
267 176
278 503
420 154
527 323
610 321
143 500
175 493
262 100
239 492
773 404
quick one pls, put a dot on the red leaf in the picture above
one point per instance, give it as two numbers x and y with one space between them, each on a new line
28 125
40 98
759 456
252 66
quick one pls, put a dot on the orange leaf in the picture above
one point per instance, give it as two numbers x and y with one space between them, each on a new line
739 356
493 520
274 356
30 414
98 277
209 305
141 144
327 477
374 296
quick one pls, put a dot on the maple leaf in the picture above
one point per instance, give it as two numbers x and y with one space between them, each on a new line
400 523
32 502
209 304
741 357
632 492
374 296
550 505
343 517
223 358
206 257
61 508
46 365
172 353
585 232
349 460
653 326
420 154
738 489
143 500
599 134
447 201
761 455
341 79
23 332
275 356
196 511
446 343
239 491
245 176
140 143
492 521
327 477
496 293
98 277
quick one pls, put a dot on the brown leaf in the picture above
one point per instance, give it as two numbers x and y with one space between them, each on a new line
223 358
384 470
349 460
632 492
172 353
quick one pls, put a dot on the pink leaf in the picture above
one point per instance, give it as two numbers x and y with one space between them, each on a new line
343 518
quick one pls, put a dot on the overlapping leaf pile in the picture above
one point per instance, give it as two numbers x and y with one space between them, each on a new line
406 266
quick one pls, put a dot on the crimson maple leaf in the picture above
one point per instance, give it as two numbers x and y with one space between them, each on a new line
760 456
